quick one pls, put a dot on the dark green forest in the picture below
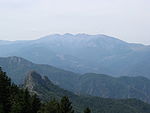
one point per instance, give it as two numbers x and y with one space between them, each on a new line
17 99
14 99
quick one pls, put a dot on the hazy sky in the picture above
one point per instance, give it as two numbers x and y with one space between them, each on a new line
128 20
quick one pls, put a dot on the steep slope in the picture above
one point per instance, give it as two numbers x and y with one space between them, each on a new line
88 84
110 87
44 87
17 68
84 54
47 90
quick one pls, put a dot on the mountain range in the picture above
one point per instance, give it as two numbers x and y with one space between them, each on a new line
46 90
114 87
83 53
81 84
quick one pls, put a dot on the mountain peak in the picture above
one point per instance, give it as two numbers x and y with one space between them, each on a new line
34 75
17 60
35 83
33 78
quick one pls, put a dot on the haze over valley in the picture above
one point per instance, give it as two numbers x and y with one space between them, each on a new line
83 53
74 56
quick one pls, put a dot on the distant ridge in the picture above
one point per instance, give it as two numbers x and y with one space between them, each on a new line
83 53
17 68
88 84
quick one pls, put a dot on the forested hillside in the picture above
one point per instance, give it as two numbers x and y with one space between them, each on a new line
18 100
88 84
46 90
114 87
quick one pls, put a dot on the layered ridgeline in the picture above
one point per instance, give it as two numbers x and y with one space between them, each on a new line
17 68
87 84
84 53
46 90
110 87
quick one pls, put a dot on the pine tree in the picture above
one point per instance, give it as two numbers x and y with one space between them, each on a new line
16 100
26 101
5 84
87 110
16 107
50 107
35 104
1 108
65 105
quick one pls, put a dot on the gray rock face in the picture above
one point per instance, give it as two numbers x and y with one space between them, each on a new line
31 80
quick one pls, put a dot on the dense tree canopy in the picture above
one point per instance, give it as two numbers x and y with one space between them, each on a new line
87 110
18 100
